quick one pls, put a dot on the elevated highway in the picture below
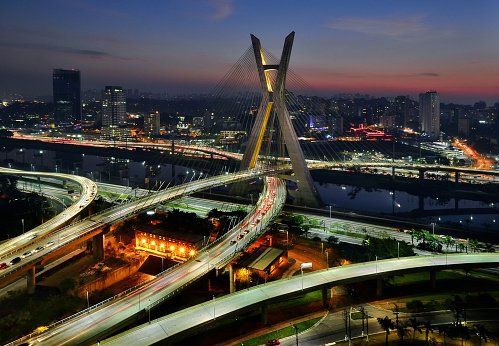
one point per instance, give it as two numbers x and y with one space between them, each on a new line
88 190
111 315
312 164
54 243
172 326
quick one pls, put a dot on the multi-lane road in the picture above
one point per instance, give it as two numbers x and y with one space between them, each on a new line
13 247
92 225
178 322
100 320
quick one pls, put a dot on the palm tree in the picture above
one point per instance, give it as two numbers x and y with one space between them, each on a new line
387 324
473 243
482 332
402 331
414 324
461 247
448 241
428 328
414 234
443 329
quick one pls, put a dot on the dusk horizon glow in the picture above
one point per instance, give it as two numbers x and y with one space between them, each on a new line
180 47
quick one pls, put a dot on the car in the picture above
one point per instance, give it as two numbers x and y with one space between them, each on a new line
3 265
26 254
34 236
50 243
245 231
273 342
232 242
15 260
40 248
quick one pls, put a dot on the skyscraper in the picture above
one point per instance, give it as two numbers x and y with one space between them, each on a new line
429 113
66 89
114 113
151 124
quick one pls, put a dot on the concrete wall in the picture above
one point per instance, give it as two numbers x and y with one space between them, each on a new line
109 279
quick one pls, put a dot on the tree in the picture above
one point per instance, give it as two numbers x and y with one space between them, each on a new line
448 241
457 308
443 329
414 234
415 325
387 324
428 329
332 241
482 332
473 243
402 331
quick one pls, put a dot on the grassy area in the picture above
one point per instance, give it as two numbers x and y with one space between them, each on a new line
281 333
298 301
183 206
350 234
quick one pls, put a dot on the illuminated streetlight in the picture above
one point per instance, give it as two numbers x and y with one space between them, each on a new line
302 266
88 301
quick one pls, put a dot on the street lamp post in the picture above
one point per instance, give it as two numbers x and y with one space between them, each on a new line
304 266
214 307
330 211
88 301
149 311
398 249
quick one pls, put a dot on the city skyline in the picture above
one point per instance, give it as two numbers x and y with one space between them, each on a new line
178 47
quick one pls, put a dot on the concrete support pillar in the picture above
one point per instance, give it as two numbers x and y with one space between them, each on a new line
64 183
433 279
98 246
325 298
393 173
264 313
174 177
379 287
456 179
173 147
231 279
421 176
31 280
421 202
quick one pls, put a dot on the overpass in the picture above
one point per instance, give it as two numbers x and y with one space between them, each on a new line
171 327
131 305
94 226
88 192
312 164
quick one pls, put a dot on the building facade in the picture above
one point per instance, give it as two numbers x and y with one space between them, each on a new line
429 113
66 87
152 124
114 124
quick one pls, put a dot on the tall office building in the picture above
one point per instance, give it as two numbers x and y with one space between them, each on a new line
429 113
67 102
151 124
114 113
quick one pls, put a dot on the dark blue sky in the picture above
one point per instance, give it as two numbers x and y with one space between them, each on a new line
376 47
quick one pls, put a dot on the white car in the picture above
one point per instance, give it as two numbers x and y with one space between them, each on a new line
26 254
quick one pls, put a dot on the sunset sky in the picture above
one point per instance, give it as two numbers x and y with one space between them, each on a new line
383 48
